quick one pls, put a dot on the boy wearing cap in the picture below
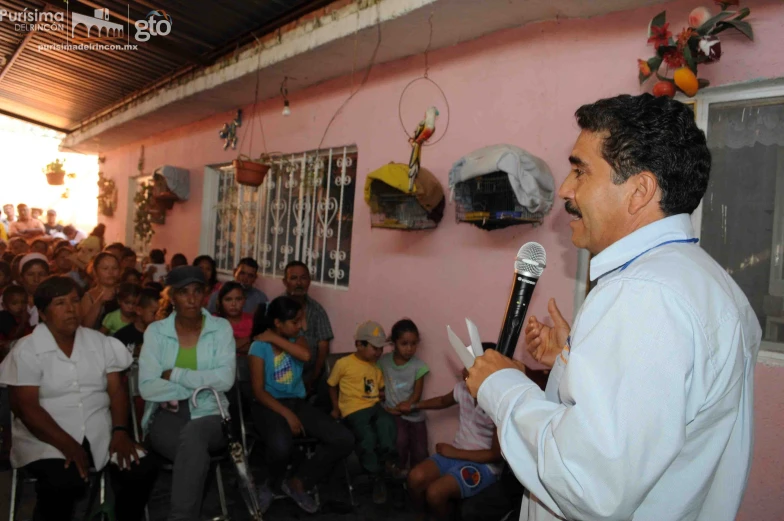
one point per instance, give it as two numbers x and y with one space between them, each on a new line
354 387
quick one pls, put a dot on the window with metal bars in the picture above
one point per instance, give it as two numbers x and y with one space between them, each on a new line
302 211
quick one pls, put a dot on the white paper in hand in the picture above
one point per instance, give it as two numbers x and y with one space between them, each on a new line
465 354
476 341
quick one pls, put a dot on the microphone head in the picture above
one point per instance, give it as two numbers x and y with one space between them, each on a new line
531 260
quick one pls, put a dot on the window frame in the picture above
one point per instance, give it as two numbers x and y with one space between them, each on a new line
210 191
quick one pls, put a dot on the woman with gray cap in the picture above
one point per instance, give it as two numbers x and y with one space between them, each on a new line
181 353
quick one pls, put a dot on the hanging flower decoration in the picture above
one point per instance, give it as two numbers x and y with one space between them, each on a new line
694 45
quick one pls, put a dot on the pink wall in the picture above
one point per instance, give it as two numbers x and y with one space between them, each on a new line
519 86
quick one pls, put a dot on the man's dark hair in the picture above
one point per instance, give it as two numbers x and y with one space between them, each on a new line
11 290
128 289
130 272
157 256
178 259
128 252
51 288
69 228
147 296
157 286
249 262
115 246
5 268
658 135
295 264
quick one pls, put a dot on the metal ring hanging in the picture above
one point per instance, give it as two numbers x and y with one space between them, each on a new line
400 109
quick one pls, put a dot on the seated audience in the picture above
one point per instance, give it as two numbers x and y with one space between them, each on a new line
132 335
63 263
14 318
5 275
99 232
127 295
25 226
156 270
128 260
207 265
231 299
18 246
354 387
131 276
157 286
39 246
51 225
117 249
3 244
73 235
403 384
101 299
61 430
315 327
189 349
246 273
280 411
33 269
165 303
460 470
177 260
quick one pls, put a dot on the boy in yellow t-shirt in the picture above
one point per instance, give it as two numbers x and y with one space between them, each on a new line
354 386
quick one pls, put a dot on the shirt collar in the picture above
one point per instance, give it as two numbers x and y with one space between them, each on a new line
672 228
211 324
44 341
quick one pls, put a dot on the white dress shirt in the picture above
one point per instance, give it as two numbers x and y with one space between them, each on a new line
647 413
72 390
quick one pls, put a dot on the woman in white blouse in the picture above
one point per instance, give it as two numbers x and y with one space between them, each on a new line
71 409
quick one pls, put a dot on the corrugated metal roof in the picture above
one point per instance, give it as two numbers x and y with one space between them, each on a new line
61 88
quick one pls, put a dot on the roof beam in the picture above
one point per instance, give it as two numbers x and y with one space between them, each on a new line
17 53
33 121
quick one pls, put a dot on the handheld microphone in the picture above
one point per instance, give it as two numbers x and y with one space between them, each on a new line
528 267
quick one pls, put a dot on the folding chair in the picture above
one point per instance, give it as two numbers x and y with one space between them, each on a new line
133 391
18 482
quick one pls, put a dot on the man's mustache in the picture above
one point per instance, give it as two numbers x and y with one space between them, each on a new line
572 210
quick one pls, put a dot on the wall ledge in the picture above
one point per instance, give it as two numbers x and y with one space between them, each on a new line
771 358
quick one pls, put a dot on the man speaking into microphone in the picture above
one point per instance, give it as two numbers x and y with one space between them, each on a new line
647 413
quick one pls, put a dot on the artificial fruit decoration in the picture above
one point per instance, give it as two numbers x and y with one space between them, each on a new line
694 45
664 88
686 80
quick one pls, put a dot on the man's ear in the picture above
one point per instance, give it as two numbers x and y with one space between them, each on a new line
644 191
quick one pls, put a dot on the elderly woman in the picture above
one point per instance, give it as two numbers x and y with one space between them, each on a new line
187 350
71 409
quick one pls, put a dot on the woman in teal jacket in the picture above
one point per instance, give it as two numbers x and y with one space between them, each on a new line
187 350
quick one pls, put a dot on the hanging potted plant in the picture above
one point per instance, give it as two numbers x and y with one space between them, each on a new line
251 172
55 173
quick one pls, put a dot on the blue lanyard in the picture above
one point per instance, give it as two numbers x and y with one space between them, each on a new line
691 241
